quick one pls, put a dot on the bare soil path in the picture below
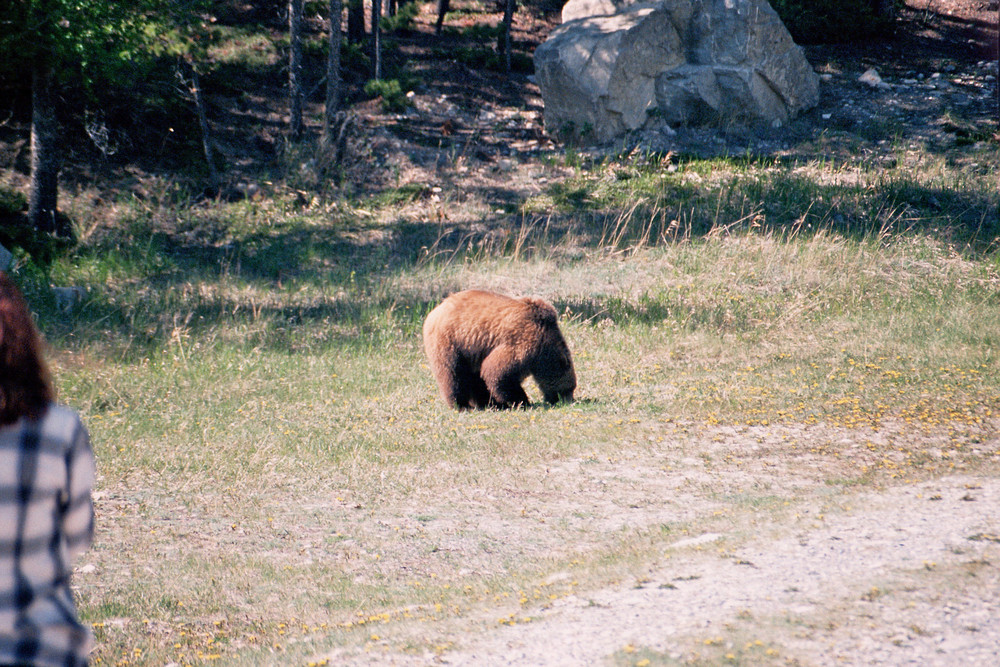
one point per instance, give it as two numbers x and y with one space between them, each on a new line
750 546
907 576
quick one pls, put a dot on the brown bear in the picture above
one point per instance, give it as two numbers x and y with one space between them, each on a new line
481 346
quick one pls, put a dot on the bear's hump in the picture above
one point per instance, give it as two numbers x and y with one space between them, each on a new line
541 310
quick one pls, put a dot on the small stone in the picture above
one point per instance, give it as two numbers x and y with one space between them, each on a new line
872 78
67 298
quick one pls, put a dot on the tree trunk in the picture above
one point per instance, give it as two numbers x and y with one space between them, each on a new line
442 9
377 37
45 159
355 21
332 72
336 124
206 137
295 69
503 42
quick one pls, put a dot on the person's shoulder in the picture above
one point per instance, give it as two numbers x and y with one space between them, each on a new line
62 413
61 423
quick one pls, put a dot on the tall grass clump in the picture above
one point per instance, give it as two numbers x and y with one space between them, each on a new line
638 200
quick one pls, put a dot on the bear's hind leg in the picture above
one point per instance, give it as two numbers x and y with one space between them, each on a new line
479 394
468 391
503 379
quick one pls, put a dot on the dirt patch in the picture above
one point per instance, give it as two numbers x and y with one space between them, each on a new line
743 542
872 584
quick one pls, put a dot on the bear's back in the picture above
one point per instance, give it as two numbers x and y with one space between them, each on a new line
480 320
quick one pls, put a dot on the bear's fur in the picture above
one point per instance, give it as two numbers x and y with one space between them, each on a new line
481 346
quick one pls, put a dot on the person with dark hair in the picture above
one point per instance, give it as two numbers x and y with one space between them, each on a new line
46 510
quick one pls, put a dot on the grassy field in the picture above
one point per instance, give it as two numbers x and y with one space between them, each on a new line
278 478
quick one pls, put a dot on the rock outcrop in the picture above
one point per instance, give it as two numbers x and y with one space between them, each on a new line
613 67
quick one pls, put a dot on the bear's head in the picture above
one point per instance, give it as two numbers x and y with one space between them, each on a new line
551 363
553 370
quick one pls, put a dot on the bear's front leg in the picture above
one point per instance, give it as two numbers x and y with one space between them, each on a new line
503 376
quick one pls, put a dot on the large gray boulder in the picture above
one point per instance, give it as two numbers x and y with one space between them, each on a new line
583 9
679 61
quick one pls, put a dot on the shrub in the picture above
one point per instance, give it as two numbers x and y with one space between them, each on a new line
403 21
11 202
391 92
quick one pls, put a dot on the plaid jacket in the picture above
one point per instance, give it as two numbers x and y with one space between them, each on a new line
46 518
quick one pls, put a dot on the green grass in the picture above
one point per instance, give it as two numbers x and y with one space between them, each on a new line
277 473
252 48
